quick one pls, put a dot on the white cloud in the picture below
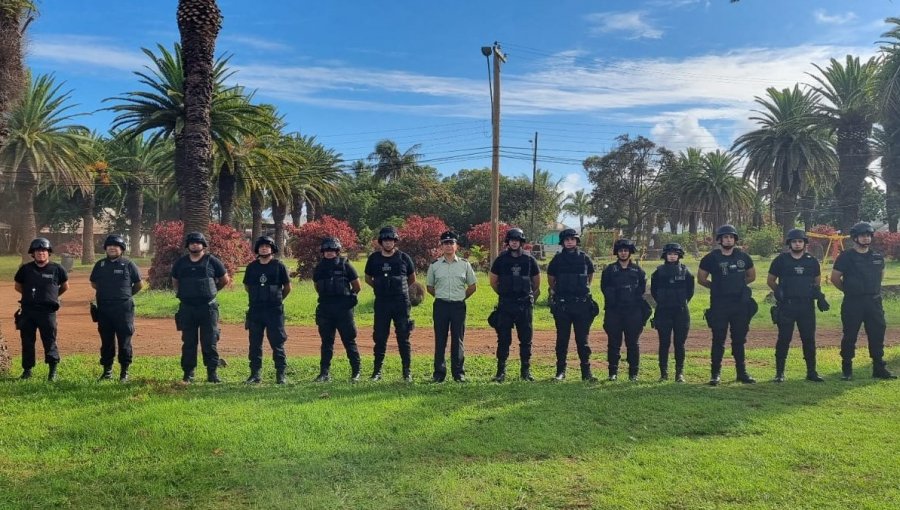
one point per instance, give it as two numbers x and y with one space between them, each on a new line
255 43
824 18
681 132
571 183
633 23
93 51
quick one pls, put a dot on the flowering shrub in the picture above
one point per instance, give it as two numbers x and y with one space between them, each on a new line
306 241
420 238
71 248
226 243
481 234
887 243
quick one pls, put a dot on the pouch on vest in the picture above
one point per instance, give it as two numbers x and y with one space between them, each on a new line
775 313
95 312
17 318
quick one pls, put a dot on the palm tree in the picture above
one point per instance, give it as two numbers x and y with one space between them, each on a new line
578 204
318 174
390 163
15 15
42 148
888 138
716 191
789 152
684 169
850 114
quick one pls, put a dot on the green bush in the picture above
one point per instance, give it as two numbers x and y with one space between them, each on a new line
763 242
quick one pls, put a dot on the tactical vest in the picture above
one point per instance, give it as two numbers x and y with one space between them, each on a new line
865 277
197 288
113 280
624 286
796 280
336 281
729 279
515 280
265 291
390 278
672 285
572 275
41 288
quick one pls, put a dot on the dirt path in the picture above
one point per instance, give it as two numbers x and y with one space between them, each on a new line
77 334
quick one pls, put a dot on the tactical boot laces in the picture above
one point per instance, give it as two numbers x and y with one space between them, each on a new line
612 377
560 375
188 377
715 380
376 376
107 373
632 377
814 377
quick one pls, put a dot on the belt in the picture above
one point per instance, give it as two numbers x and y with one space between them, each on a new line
574 299
448 301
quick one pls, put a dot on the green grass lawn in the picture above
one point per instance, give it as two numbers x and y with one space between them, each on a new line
154 443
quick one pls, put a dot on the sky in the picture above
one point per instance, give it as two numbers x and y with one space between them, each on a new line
579 73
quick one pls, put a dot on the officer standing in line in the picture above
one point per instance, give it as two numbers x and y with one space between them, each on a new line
672 287
623 284
795 280
116 279
451 280
390 272
197 278
41 283
569 277
337 283
516 278
858 274
731 302
268 284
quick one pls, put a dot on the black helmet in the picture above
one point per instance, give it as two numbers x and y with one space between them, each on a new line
330 244
726 229
514 234
670 248
569 232
264 240
623 243
861 228
41 243
195 237
388 233
449 236
115 240
796 233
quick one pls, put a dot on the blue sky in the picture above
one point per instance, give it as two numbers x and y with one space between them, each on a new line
580 73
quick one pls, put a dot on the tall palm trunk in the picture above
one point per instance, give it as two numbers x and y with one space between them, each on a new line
227 186
297 200
854 156
87 227
807 204
134 203
785 210
256 207
199 22
12 68
890 171
27 188
279 211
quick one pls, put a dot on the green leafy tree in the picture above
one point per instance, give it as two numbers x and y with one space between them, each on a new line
578 204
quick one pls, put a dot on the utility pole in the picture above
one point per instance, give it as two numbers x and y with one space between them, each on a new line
499 58
534 186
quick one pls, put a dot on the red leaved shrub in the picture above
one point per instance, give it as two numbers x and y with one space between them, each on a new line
226 243
420 238
306 241
887 243
481 234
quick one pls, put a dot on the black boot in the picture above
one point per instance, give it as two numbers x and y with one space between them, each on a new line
107 373
880 371
279 376
212 375
632 373
501 372
613 373
779 370
715 376
847 370
560 371
26 374
354 375
407 374
586 374
255 377
123 374
663 373
679 377
51 375
811 373
323 377
376 370
742 376
525 371
188 376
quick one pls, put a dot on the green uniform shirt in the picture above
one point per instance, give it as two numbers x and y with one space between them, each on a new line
450 279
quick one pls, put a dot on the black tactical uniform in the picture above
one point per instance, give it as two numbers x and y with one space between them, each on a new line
115 280
391 277
198 312
795 294
625 311
672 287
333 278
571 303
861 277
265 283
40 301
731 305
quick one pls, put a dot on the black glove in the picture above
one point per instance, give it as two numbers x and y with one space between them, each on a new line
822 304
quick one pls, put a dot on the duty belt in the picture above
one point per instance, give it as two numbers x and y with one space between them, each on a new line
574 299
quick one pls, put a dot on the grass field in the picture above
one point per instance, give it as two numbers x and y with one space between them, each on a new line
157 444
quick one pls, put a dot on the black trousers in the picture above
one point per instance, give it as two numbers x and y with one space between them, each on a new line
339 318
573 316
514 313
672 325
867 311
115 322
199 322
389 310
267 319
725 315
449 316
34 320
802 313
627 322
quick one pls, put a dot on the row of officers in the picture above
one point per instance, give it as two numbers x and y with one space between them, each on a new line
794 277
